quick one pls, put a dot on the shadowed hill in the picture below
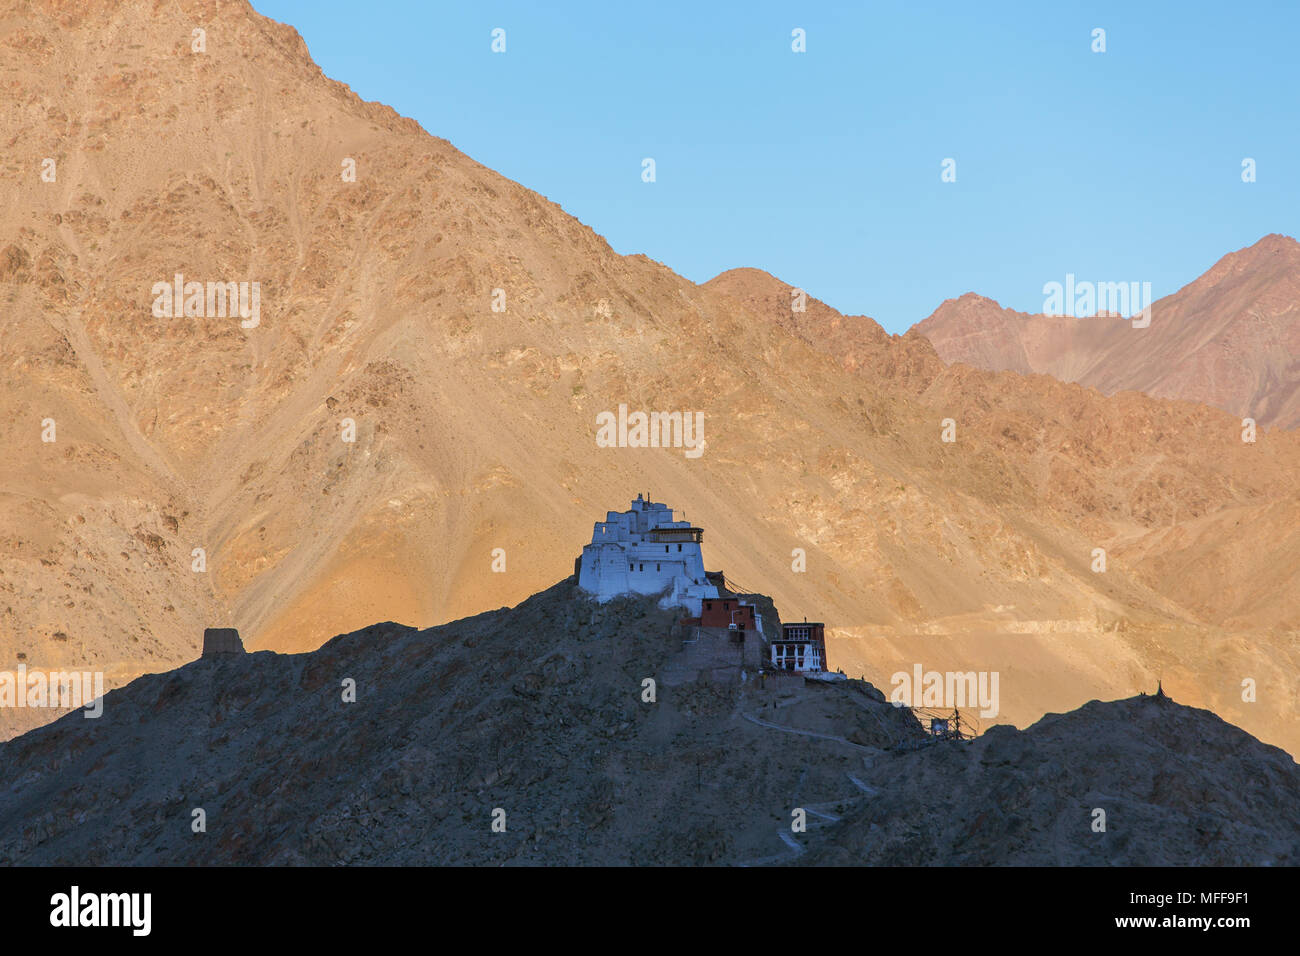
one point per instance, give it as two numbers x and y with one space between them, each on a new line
1178 786
539 712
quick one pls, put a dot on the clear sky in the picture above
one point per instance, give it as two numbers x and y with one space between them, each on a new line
824 167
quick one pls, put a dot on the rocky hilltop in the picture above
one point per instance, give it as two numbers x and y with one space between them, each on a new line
537 716
538 710
1177 786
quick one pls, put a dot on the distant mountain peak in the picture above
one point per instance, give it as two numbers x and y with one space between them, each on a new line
1228 339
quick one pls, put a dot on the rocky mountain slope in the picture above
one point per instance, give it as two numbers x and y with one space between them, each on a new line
537 717
538 710
1230 339
475 429
1177 786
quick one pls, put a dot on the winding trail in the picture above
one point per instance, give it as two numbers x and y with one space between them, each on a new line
818 810
805 733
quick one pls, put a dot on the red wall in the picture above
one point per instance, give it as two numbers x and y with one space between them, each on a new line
720 613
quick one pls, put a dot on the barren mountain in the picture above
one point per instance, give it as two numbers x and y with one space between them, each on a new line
475 429
1230 339
535 719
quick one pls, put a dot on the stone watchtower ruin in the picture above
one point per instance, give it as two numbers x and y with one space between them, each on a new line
221 640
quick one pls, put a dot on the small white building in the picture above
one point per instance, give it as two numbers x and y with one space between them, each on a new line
802 647
644 551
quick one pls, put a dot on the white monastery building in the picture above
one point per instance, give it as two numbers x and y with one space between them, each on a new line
644 551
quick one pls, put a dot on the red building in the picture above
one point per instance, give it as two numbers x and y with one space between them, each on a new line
723 612
802 647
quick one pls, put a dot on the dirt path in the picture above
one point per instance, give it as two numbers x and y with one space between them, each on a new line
806 733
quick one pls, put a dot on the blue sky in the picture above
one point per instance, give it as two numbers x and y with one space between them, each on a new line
824 167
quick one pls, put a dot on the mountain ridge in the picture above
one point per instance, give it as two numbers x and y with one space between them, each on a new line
1228 338
524 736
